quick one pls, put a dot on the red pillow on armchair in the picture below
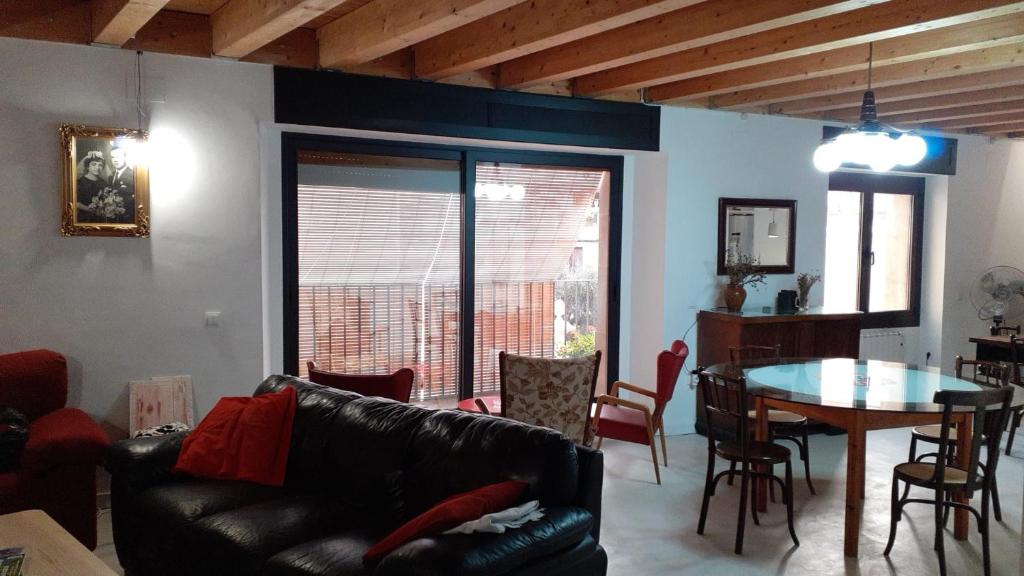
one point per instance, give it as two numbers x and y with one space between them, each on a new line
242 439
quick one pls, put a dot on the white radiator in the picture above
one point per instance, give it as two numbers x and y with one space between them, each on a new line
885 345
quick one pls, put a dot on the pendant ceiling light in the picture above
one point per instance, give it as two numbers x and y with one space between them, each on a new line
773 231
870 143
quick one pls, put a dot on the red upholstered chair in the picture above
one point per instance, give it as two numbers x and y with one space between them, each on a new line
397 386
621 419
57 470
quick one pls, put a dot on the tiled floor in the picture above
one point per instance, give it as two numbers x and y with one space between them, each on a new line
651 529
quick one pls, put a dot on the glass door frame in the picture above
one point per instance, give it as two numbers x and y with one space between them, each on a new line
293 142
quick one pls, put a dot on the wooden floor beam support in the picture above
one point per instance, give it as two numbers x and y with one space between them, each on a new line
870 24
116 21
383 27
527 28
699 25
941 67
986 33
240 27
890 108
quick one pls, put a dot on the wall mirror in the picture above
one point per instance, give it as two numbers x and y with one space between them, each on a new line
763 229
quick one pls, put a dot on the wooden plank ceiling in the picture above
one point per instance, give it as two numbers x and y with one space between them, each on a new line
956 66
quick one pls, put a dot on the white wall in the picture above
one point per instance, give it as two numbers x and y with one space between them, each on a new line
125 308
983 229
720 154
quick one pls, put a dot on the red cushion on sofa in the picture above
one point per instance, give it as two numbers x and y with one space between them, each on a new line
33 382
242 439
449 514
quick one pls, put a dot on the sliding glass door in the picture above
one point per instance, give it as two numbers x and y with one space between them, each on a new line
381 241
540 267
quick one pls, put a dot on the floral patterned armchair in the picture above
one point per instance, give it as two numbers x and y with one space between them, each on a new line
551 392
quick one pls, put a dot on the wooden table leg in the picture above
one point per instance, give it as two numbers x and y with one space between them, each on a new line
855 439
761 435
961 518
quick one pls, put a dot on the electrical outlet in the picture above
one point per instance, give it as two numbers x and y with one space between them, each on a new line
212 318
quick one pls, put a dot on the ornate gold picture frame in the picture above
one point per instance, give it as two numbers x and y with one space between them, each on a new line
104 185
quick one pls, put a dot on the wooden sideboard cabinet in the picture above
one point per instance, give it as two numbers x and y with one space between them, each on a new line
812 333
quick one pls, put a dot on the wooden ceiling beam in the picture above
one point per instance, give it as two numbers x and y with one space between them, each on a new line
1005 94
529 27
1007 129
928 44
976 123
240 27
699 25
957 113
117 21
386 26
870 24
1011 55
909 90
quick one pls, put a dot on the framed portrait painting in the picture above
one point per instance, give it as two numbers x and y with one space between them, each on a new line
104 185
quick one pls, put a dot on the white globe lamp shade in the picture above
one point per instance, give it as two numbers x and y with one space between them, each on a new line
828 157
910 149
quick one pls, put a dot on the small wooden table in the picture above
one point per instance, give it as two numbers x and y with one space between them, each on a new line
492 402
49 549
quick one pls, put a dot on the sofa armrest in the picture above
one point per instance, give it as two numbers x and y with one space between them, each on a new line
591 478
480 554
142 462
64 436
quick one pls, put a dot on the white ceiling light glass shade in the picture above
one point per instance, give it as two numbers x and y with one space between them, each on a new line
870 143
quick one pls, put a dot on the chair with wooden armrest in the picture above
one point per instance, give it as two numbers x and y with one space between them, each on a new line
397 386
621 419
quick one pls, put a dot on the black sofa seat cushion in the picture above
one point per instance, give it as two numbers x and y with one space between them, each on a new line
336 555
185 502
240 541
488 554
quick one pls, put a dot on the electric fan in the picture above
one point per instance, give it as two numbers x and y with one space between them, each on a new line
998 294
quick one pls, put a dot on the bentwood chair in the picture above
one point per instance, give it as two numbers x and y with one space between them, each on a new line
782 425
1015 361
945 479
728 431
621 419
397 386
984 373
551 392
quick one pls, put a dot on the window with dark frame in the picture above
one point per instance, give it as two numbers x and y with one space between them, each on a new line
873 244
360 221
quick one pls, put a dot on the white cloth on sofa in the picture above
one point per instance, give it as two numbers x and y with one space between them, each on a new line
498 522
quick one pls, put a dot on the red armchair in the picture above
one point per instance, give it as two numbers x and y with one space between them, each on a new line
57 471
630 421
397 386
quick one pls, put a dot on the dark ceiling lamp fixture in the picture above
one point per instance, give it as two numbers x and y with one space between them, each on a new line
870 143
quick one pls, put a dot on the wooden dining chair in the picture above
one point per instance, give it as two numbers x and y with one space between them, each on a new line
397 386
782 424
985 373
728 432
551 392
946 480
621 419
1016 358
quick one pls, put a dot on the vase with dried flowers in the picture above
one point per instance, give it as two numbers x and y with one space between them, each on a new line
743 270
804 283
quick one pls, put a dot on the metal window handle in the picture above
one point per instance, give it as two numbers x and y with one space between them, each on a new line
872 258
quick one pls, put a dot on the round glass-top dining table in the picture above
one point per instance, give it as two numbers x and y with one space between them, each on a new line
858 396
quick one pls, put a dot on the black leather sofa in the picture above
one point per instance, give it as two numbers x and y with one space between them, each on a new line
358 468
